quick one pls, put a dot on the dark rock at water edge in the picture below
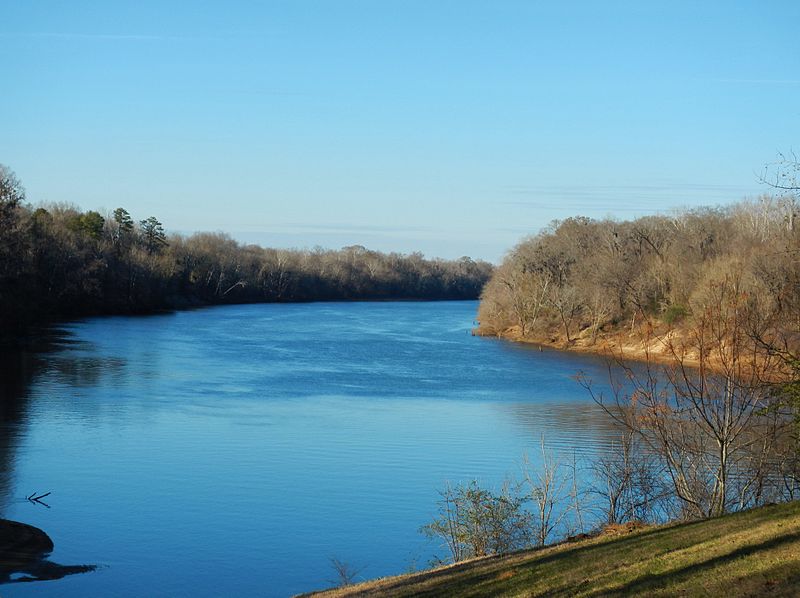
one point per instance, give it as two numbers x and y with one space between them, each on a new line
23 552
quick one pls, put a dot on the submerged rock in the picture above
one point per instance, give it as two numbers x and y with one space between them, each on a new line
23 549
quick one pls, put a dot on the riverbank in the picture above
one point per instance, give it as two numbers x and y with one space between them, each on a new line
648 343
64 263
752 553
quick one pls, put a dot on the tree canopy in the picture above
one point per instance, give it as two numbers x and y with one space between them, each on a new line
59 261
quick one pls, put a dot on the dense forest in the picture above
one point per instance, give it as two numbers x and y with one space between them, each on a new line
59 261
582 278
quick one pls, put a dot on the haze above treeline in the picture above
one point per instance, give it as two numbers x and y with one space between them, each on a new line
447 128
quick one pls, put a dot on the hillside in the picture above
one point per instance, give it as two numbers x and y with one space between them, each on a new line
585 283
751 553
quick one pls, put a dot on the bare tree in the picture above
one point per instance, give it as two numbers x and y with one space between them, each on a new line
576 499
630 482
528 291
345 572
700 412
549 491
783 175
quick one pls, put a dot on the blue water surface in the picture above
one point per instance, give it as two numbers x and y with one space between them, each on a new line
235 450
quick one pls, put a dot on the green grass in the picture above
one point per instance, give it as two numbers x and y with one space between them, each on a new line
754 553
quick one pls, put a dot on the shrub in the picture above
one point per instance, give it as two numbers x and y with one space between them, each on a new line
474 521
674 313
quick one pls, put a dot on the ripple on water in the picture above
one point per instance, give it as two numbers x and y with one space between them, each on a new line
236 449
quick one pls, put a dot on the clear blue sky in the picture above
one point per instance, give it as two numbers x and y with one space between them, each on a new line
450 127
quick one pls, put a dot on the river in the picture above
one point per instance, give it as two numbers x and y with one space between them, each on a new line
235 450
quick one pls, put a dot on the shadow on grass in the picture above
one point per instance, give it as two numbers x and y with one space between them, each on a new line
475 578
657 581
650 543
571 569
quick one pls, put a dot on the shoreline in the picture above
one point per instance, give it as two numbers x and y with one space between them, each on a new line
613 346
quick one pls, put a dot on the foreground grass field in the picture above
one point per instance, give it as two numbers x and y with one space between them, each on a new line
754 553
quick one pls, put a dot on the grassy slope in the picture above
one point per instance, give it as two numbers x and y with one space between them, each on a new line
755 553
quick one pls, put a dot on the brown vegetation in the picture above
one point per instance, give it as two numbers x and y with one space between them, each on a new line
604 285
708 301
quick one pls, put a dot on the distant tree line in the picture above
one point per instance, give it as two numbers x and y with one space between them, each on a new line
58 261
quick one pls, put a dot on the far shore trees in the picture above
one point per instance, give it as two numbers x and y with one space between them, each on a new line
12 239
58 261
581 281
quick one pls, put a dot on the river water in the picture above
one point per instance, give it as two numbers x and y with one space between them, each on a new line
236 450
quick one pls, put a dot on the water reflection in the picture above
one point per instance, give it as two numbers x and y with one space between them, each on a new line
23 555
321 429
17 369
580 426
80 371
20 366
